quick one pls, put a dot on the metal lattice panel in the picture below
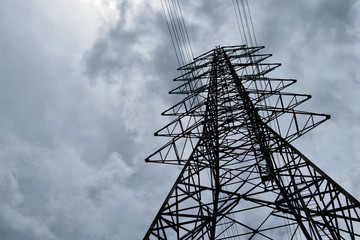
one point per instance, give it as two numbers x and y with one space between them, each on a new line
242 179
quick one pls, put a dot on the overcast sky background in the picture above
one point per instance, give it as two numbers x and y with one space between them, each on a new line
83 83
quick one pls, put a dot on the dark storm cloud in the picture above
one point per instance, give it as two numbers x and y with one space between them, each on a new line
138 57
140 43
317 43
61 168
74 133
331 19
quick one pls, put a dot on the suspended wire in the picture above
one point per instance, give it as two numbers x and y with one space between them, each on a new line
178 31
171 33
181 30
251 21
182 46
175 31
242 23
248 29
186 32
188 48
238 21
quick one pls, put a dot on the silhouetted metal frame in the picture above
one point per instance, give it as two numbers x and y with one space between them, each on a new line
292 204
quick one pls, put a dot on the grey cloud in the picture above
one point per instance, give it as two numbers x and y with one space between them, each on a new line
73 140
318 44
60 173
124 48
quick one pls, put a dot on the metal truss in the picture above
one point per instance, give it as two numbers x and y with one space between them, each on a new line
241 177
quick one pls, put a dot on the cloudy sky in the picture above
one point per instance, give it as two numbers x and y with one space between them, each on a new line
83 83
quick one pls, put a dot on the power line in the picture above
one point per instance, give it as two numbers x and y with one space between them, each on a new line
179 34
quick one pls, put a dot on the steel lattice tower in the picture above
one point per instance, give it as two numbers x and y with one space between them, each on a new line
241 177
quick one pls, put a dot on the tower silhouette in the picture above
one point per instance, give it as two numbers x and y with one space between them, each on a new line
241 177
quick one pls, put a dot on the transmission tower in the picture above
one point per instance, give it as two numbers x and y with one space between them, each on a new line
241 177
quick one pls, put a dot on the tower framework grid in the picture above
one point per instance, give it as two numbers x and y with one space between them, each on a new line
241 177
